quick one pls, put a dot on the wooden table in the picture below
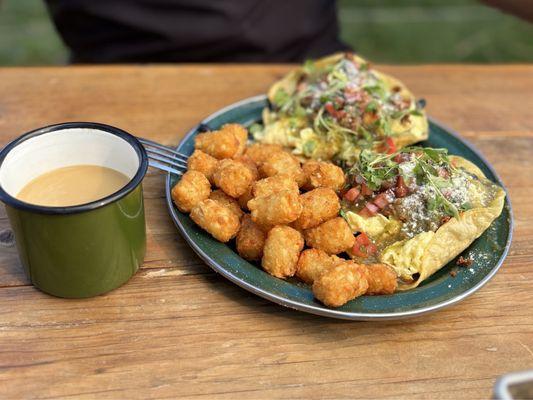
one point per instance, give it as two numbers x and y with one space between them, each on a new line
179 330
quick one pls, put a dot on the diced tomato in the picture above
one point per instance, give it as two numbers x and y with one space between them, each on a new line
371 249
401 189
390 145
372 208
365 190
352 194
369 210
330 108
381 200
340 114
364 213
443 173
363 246
359 251
363 239
402 157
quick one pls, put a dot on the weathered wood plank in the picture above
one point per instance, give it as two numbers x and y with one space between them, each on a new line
179 330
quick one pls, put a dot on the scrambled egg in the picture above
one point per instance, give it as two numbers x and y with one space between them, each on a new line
379 228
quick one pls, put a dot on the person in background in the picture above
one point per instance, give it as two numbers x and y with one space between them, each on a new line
520 8
138 31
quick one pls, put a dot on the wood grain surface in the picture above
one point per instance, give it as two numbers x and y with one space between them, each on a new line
177 330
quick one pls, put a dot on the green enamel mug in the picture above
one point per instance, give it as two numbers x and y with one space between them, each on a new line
82 250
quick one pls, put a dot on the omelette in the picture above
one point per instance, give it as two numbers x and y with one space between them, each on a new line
335 107
417 209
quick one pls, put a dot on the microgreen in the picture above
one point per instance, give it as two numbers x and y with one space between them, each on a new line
377 168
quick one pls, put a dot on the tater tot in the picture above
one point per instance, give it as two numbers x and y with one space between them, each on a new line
202 162
381 279
219 144
282 249
274 184
222 223
240 133
282 163
323 174
227 201
276 209
313 263
318 205
250 240
340 284
259 152
245 198
192 188
233 177
250 164
333 236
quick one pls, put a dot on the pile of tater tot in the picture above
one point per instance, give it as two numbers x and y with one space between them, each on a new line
274 206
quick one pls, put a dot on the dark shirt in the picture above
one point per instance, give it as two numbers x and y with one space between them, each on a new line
112 31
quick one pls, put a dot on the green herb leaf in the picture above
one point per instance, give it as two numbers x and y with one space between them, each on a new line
309 67
376 91
375 168
372 106
255 128
309 147
281 97
342 213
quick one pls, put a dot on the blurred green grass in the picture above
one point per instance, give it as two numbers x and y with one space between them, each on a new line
27 35
423 31
393 31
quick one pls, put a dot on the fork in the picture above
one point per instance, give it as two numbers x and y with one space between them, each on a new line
164 158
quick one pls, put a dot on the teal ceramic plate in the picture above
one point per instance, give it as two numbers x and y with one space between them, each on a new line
441 290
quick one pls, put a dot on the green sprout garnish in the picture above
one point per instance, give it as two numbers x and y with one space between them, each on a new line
377 168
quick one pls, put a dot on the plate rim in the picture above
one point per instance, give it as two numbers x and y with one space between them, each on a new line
322 311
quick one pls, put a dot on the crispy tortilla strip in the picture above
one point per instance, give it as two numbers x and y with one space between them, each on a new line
428 252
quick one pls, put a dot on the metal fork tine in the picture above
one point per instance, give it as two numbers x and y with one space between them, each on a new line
166 159
166 162
147 142
163 167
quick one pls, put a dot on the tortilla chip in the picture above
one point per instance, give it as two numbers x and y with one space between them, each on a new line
428 252
280 131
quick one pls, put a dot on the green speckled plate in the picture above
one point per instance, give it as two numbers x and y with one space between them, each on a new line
441 290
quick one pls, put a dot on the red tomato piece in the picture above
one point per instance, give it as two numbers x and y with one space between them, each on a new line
363 247
352 194
363 239
371 249
381 200
371 208
365 190
390 145
359 251
401 189
330 109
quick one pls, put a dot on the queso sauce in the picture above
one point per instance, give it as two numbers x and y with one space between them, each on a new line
73 185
